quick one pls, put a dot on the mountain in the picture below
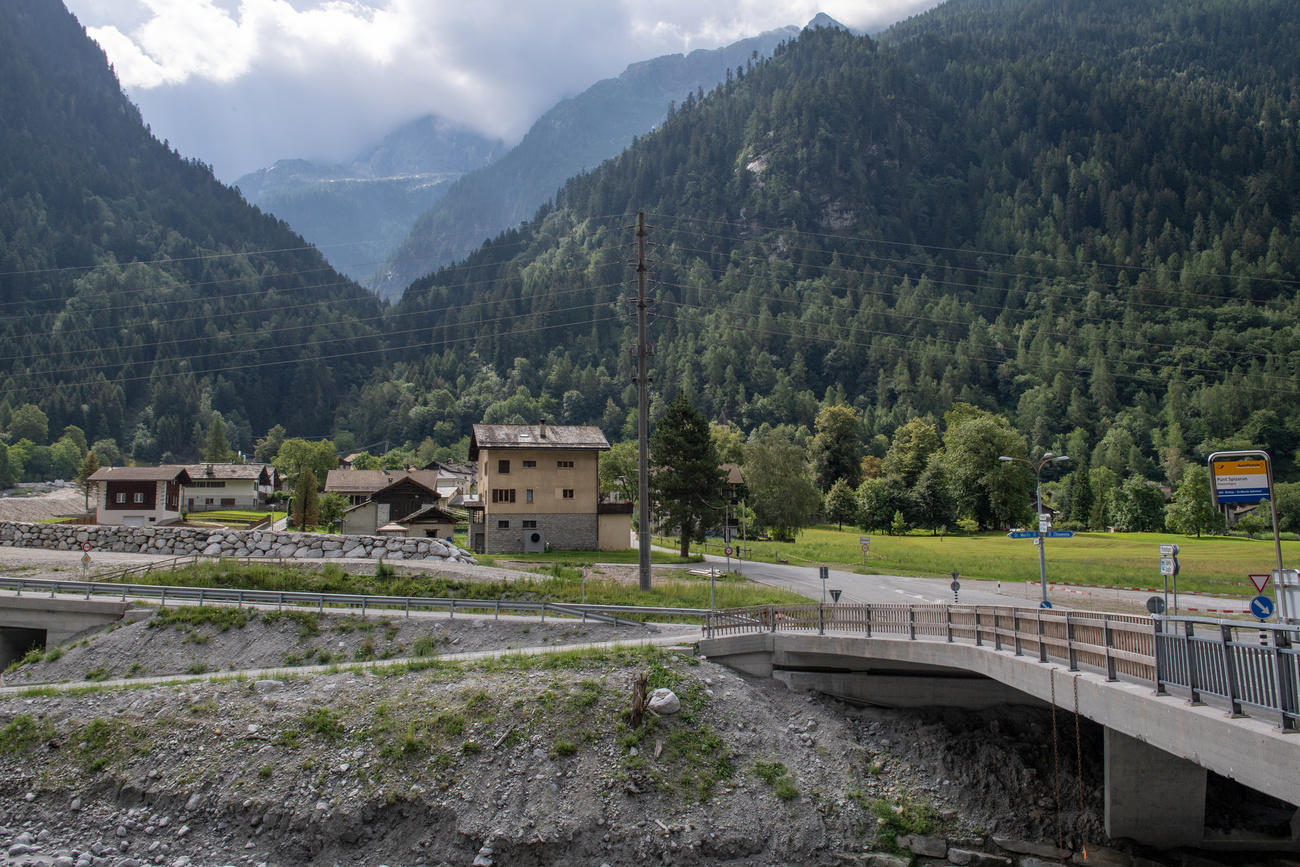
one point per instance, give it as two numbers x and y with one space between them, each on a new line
575 136
1085 217
140 295
358 212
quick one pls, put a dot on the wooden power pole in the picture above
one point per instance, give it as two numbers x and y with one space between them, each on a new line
642 411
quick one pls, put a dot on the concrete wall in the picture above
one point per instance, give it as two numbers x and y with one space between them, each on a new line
562 531
181 541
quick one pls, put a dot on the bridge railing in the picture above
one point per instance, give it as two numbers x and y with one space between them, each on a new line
1240 665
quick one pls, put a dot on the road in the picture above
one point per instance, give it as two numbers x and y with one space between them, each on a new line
878 589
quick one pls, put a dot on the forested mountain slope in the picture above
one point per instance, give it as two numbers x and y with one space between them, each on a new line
134 303
575 136
1082 216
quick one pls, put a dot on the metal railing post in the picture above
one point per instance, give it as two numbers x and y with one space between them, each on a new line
947 611
1193 675
1108 638
1042 645
1070 653
1230 671
1015 631
1284 671
911 622
1161 655
162 600
979 638
821 622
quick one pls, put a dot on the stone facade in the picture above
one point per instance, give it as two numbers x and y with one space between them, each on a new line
183 541
568 531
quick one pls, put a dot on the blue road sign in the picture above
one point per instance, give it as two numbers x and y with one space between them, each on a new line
1022 534
1044 604
1261 607
1059 534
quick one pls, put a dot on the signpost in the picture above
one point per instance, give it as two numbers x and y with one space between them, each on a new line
835 595
1169 567
1260 580
1247 477
1060 534
954 586
1022 534
865 542
824 572
1261 607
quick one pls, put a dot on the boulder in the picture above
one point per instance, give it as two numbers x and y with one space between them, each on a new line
664 702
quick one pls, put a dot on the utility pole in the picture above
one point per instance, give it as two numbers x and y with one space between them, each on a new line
642 410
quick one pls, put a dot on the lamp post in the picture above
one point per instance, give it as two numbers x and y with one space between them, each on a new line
1037 466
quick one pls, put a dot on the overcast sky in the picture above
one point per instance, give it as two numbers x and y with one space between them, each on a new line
242 83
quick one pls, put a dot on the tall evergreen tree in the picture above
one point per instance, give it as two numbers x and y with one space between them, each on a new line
686 482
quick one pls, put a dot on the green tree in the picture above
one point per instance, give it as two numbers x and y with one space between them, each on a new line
898 524
910 451
993 493
107 453
265 449
875 505
29 423
1081 498
841 504
65 458
216 446
783 497
88 467
78 436
1104 482
686 483
836 447
618 470
298 455
1137 506
366 461
7 478
1287 497
935 507
729 442
1192 510
304 506
332 506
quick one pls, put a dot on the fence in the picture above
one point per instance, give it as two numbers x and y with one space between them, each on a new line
1198 658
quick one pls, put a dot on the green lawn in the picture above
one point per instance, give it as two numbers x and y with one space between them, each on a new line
1213 564
233 516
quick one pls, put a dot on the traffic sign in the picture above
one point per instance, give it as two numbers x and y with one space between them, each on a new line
1156 605
85 546
1060 534
865 546
1168 550
1045 604
835 595
954 586
1168 565
1022 534
85 558
727 550
864 540
1260 581
824 572
1239 481
1261 607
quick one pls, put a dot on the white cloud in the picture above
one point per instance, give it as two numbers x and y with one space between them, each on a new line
241 83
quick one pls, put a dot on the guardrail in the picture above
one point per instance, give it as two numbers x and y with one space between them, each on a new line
1198 658
321 601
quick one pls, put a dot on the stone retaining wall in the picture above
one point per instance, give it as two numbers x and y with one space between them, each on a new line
183 541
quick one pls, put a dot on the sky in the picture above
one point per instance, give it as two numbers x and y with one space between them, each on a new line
240 84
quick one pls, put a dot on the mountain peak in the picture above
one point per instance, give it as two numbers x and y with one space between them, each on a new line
821 19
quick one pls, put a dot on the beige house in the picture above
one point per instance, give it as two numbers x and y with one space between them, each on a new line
538 487
138 496
228 486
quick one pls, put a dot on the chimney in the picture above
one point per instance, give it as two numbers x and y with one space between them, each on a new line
541 428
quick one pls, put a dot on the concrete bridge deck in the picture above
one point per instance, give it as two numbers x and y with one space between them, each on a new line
1158 745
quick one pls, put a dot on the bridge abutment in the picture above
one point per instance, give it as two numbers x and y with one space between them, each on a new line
1152 796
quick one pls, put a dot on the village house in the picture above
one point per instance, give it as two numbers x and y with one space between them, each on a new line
392 502
229 486
138 496
538 487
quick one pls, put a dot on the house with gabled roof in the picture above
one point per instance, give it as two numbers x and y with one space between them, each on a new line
229 486
408 505
138 496
538 487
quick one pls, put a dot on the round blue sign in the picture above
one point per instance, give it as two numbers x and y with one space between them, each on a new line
1261 607
1044 604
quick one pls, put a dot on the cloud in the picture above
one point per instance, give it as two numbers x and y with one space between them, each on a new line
241 83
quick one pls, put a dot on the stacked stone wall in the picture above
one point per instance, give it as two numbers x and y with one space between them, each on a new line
184 541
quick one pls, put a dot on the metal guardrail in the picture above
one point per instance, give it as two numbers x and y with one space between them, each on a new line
1244 665
321 601
1197 657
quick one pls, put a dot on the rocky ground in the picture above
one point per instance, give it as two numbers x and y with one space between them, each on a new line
515 760
41 501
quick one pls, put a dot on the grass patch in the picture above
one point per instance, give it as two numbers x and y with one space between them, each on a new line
323 723
219 617
777 777
308 622
21 734
97 674
908 816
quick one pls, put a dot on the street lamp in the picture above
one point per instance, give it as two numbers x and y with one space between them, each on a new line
1037 467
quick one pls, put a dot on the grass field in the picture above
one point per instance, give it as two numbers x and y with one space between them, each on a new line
1212 564
233 516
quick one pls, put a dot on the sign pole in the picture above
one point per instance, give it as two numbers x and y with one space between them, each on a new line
1247 477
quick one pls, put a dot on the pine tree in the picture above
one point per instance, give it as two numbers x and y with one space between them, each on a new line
685 480
88 468
304 508
217 447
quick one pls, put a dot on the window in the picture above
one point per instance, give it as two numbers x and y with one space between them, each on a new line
503 467
119 498
568 493
139 497
503 525
530 525
528 495
503 495
564 465
530 465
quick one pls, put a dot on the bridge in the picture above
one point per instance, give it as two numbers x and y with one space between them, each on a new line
1176 696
